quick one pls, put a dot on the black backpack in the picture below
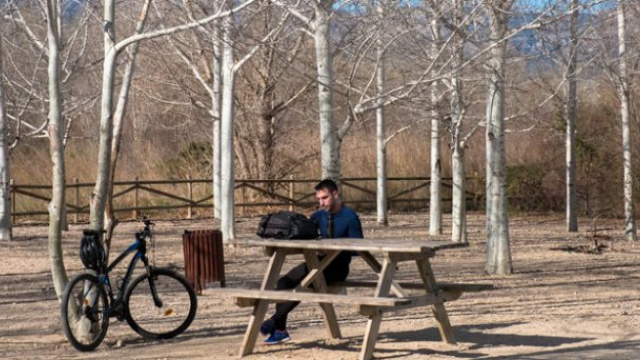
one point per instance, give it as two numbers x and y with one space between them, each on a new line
287 225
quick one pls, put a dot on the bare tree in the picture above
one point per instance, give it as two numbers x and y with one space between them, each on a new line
458 143
56 148
230 67
227 168
435 185
258 126
216 114
570 114
112 48
5 168
560 42
209 77
329 135
118 121
319 26
25 80
29 89
381 144
498 247
624 90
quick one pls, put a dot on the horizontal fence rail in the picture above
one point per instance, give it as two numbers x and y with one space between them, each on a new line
186 196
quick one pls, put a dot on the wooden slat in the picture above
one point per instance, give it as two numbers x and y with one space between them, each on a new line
200 201
414 301
377 268
274 198
464 287
313 273
265 192
364 190
379 245
217 234
285 296
124 192
30 194
394 197
166 194
214 257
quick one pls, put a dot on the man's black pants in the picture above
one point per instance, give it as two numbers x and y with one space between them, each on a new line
336 271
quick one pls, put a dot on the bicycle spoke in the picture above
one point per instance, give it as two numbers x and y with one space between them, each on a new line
176 310
84 312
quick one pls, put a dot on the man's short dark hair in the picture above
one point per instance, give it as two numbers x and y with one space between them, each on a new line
327 184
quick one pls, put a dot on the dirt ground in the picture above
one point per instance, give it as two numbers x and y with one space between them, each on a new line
566 299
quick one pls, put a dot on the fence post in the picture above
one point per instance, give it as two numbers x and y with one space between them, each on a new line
291 192
13 200
76 200
190 196
135 199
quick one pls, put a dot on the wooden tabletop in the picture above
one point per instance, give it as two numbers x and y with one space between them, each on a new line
374 245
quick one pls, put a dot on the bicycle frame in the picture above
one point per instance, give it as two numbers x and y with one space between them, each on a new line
139 247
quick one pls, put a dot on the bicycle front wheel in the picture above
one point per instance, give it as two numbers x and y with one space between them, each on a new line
84 312
165 315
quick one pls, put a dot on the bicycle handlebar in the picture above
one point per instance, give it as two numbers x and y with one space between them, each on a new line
147 229
147 222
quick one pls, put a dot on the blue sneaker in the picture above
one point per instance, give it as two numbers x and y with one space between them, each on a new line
278 337
268 327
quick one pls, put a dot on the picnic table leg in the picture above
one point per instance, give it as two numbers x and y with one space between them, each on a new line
377 267
320 286
439 311
373 324
260 308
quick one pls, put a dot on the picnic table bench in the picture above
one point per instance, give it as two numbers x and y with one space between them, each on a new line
389 295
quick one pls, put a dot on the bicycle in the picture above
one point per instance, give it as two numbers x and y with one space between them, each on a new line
159 304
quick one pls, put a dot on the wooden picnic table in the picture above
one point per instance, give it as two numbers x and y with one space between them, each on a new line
390 295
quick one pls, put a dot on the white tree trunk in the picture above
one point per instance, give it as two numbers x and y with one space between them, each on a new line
458 198
435 185
498 247
624 90
5 168
100 192
118 122
227 209
458 195
56 148
216 100
570 116
330 146
381 144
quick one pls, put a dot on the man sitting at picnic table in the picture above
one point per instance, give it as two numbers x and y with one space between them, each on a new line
335 220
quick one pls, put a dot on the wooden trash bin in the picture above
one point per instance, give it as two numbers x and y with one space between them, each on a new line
203 258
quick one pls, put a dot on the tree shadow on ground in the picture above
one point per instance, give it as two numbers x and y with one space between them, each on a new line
476 334
202 333
611 350
473 334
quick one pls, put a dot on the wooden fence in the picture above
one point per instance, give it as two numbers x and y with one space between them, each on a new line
186 197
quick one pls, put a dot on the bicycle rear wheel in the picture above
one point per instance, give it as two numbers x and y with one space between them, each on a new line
174 312
84 312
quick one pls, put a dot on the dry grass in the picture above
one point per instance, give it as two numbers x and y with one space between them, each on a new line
407 155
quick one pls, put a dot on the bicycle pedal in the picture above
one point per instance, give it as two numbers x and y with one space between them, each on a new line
117 311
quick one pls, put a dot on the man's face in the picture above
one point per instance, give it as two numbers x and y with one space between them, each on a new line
326 199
